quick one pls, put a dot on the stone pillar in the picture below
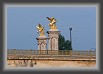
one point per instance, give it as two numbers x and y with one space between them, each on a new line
53 39
42 42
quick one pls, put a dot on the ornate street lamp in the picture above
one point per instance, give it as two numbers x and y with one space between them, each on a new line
70 37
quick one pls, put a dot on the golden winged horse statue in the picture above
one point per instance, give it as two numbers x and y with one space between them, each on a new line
40 30
52 23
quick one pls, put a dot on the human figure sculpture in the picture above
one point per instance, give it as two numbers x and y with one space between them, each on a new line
52 23
40 30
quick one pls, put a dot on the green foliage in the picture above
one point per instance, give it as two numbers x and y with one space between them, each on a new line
64 44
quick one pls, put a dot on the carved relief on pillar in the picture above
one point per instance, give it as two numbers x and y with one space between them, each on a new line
53 39
53 43
56 43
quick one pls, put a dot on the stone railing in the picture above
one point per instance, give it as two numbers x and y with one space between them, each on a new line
14 54
51 52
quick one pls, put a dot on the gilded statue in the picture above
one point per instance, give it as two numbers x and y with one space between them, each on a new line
52 23
40 30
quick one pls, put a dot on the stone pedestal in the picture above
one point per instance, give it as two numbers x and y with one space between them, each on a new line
42 42
53 39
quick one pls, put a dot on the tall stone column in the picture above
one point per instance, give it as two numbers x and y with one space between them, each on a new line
42 42
53 39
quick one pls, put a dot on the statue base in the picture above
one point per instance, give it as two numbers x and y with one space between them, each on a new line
42 42
53 39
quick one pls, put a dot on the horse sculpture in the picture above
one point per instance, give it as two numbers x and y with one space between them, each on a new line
40 30
52 23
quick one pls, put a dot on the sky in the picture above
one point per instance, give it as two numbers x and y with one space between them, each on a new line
22 22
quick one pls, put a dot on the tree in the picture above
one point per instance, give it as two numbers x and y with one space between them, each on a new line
64 44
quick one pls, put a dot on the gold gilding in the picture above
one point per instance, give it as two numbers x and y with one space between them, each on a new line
52 23
40 30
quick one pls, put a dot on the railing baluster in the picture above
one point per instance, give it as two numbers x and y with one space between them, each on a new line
16 53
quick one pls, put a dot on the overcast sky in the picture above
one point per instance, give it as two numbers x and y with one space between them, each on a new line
22 22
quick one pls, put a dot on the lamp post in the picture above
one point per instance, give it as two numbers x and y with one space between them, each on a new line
70 37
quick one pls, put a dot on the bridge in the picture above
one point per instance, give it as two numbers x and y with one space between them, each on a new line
64 55
30 57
